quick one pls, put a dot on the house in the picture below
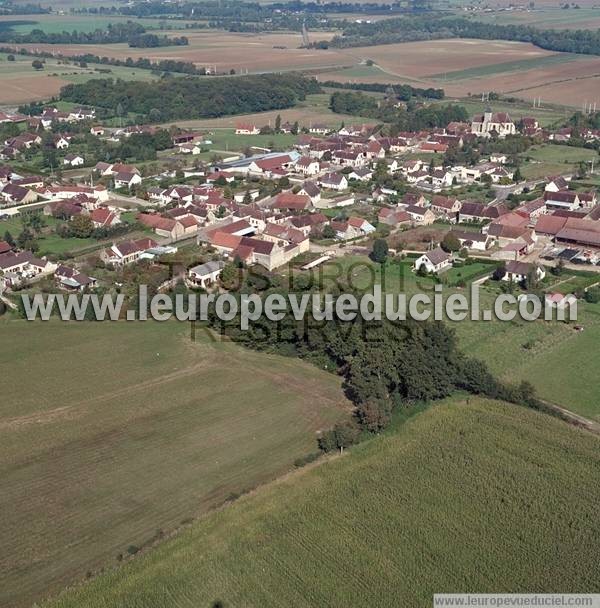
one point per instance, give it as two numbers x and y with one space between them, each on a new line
446 206
556 184
311 190
126 252
127 180
436 260
393 217
490 123
246 129
206 274
563 199
334 181
17 195
74 160
477 241
72 280
310 223
190 148
420 215
352 228
286 235
307 165
519 271
361 174
19 267
97 131
433 147
162 226
61 143
103 217
292 202
318 129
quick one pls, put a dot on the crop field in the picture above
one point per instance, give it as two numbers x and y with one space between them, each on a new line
226 50
21 83
110 432
467 496
463 67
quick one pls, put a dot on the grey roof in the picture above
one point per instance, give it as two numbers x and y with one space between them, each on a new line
208 267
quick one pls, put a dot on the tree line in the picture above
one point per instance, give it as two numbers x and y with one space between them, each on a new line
412 29
141 63
187 97
402 92
132 33
411 118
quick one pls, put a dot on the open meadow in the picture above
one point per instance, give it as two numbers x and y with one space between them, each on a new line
21 83
113 434
467 496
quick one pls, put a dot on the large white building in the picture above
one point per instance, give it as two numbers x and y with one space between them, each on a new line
490 122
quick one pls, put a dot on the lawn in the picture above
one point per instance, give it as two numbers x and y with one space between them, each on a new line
464 497
112 431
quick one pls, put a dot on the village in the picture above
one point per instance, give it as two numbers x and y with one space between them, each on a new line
333 192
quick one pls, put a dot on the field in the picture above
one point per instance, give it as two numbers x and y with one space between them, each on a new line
311 111
464 497
542 161
110 432
546 18
55 24
226 50
22 84
547 354
463 67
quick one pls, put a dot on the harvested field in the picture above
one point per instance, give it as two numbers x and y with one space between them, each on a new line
225 50
547 18
125 429
29 88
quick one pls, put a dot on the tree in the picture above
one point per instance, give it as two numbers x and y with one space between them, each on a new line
36 64
278 123
247 198
328 232
450 243
11 58
26 240
379 252
81 226
8 237
517 176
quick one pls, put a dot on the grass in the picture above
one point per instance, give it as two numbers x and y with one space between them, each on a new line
515 350
549 159
112 431
546 115
464 497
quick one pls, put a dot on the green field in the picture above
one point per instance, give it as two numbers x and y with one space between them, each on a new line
548 159
112 431
56 24
509 66
465 497
547 18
